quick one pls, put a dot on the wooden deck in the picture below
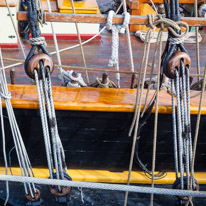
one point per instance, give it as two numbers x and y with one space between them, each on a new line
97 55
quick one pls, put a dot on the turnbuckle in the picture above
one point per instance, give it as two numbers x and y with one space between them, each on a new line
175 63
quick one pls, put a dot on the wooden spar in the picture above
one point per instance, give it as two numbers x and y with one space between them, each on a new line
96 18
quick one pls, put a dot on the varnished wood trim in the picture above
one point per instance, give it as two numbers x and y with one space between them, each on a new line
94 99
137 177
96 18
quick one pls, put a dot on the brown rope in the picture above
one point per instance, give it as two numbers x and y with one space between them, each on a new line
159 40
80 43
136 117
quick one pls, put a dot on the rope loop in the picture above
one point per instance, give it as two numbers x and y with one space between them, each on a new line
171 25
161 26
151 21
109 19
125 24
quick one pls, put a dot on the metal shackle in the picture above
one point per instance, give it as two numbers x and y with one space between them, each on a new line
175 63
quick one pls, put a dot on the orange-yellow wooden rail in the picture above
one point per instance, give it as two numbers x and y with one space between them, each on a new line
96 18
137 177
94 99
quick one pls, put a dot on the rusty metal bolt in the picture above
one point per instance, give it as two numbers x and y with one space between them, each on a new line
175 62
36 196
34 64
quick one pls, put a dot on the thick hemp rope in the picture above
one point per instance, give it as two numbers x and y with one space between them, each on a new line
114 60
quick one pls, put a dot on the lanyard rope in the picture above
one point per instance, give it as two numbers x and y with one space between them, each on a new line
38 66
32 193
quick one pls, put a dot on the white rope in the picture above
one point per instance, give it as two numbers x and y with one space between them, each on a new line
68 78
189 38
114 60
4 151
23 159
109 19
125 22
5 96
126 25
202 10
38 41
104 186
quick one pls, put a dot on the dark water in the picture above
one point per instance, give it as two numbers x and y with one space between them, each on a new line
90 197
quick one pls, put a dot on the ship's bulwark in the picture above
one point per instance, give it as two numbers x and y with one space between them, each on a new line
99 140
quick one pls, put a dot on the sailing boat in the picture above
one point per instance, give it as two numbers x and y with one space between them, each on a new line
88 132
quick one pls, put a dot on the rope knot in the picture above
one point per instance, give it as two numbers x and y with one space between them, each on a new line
171 25
161 25
38 41
151 21
5 96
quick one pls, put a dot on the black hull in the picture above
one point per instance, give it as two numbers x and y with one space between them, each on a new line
99 140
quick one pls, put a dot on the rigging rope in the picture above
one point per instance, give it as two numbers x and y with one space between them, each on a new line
22 156
55 40
190 38
180 82
104 186
80 43
38 66
114 60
